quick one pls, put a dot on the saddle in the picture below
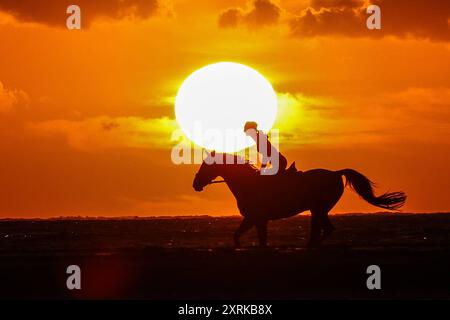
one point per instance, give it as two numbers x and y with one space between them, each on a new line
289 172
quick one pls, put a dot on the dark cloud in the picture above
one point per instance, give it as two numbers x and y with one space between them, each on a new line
53 12
230 18
262 13
317 4
401 18
328 21
110 125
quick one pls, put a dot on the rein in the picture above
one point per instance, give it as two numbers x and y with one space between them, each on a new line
217 181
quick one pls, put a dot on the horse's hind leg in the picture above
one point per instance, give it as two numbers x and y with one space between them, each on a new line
319 221
246 225
327 227
319 212
261 227
314 234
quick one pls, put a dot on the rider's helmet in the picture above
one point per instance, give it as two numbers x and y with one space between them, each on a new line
250 125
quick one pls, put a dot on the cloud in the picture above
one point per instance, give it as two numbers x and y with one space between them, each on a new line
262 13
414 114
326 21
53 12
426 106
422 19
106 132
401 18
310 120
11 98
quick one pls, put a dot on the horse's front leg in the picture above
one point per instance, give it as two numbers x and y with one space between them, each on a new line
246 225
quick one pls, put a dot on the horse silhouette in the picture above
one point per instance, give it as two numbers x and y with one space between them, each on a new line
262 198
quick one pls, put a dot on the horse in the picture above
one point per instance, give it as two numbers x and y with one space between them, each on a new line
263 198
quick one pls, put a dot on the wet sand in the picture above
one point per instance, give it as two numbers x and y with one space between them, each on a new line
190 258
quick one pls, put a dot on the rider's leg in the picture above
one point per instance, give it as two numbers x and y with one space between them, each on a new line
246 225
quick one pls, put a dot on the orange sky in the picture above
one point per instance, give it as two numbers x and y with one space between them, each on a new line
86 116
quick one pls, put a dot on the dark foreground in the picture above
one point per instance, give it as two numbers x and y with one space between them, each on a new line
190 258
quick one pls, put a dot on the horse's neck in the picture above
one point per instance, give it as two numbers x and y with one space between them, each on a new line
237 180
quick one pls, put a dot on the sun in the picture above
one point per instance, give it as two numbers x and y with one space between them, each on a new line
214 102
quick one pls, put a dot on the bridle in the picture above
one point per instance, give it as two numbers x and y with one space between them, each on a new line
212 182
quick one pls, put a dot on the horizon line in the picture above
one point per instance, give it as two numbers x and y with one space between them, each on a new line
201 216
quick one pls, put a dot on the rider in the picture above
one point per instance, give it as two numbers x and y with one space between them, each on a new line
269 152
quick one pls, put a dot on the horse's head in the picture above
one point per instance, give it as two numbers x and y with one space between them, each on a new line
206 174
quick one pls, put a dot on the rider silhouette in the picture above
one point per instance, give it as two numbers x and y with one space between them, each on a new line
267 150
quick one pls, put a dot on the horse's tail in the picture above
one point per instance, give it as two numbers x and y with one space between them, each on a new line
364 187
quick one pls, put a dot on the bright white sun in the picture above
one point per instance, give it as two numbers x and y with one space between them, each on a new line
214 102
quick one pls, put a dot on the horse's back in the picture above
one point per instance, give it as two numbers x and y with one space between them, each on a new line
319 175
318 172
311 188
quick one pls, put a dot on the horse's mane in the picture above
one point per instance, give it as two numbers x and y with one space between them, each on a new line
239 163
